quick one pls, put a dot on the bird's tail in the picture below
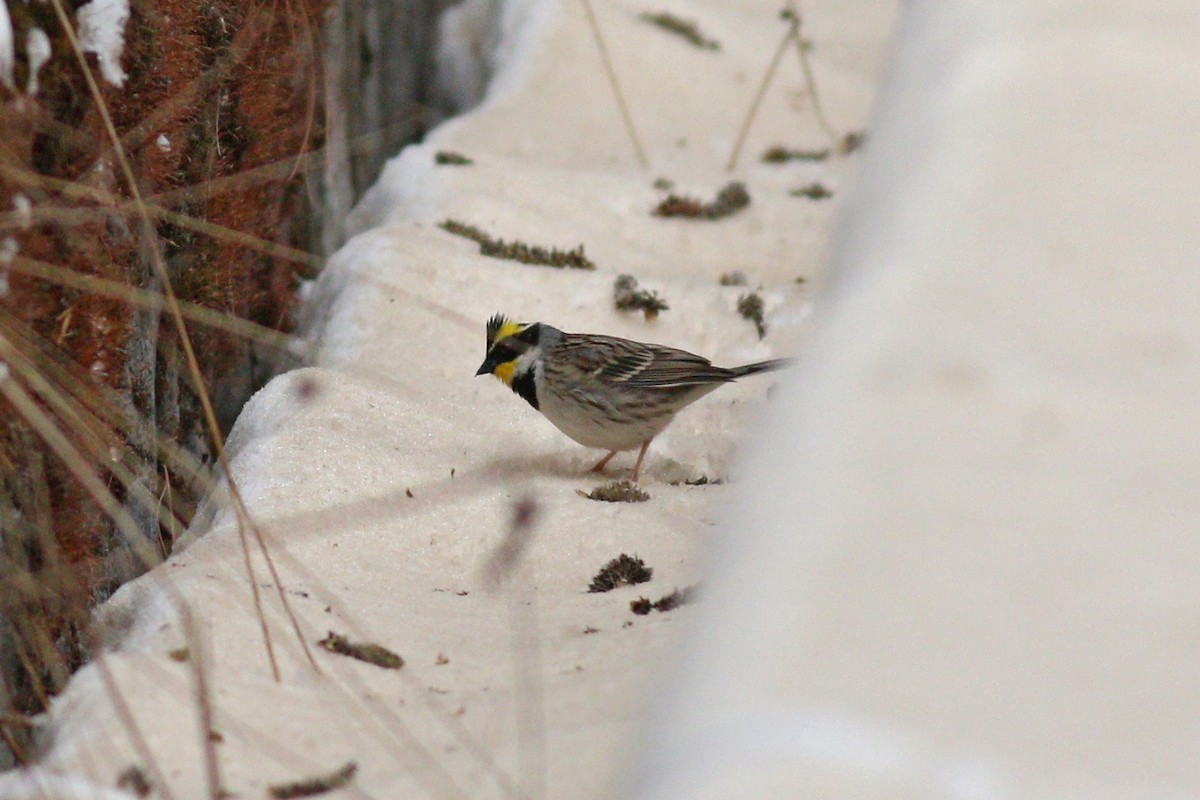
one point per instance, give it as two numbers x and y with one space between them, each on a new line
761 366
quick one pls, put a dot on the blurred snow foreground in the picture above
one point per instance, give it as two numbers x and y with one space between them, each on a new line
965 561
961 564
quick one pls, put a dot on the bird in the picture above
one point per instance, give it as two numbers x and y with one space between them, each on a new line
604 392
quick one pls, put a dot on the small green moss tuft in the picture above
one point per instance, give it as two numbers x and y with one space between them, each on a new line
627 297
685 29
851 142
519 251
308 787
703 480
624 570
675 599
781 155
813 191
750 306
133 780
667 602
730 200
448 158
617 492
375 654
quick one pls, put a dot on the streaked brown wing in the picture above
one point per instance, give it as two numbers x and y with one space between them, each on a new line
635 364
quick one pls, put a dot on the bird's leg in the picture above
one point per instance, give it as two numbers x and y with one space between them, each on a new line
600 464
638 465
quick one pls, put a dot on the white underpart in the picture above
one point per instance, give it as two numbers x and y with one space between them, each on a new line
102 31
591 429
588 425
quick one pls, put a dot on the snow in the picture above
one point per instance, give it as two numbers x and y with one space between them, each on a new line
958 559
972 521
8 51
38 48
384 476
23 207
102 31
37 784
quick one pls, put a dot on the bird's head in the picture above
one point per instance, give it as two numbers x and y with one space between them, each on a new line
512 347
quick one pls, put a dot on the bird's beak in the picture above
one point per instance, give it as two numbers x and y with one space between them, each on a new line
486 368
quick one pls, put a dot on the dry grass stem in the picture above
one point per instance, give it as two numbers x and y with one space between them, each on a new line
611 74
209 413
791 37
152 301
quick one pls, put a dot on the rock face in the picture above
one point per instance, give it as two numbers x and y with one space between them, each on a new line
379 72
242 128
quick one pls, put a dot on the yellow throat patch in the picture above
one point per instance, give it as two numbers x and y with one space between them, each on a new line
499 329
505 371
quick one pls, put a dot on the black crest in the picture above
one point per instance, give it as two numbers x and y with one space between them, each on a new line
493 327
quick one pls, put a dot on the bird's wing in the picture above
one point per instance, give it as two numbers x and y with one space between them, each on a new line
635 364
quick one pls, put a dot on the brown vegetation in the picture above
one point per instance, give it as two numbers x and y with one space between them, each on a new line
101 430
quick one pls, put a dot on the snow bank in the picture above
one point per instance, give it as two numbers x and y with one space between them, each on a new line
964 563
102 31
8 51
384 475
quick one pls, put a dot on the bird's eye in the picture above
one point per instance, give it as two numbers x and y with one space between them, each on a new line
502 353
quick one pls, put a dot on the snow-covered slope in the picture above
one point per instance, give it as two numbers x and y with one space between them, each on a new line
384 475
964 564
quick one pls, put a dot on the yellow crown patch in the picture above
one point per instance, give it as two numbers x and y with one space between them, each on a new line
501 327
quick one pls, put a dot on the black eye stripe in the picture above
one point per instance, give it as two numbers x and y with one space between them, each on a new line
502 352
